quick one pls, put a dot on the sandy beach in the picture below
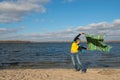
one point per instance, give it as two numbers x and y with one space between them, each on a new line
59 74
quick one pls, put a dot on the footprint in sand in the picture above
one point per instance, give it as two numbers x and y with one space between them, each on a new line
108 72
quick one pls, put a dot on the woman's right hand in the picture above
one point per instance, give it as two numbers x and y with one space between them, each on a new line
82 33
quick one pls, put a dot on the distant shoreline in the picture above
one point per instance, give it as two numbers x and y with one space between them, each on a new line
18 41
14 41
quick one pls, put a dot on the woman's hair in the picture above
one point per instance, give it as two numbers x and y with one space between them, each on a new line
78 39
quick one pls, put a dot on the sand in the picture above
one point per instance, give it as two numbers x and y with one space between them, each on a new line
59 74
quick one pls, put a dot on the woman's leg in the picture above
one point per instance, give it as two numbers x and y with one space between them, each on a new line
74 61
80 64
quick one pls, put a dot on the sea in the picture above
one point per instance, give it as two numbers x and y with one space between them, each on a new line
54 55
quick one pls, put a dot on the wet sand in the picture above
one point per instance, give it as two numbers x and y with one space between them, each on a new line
60 74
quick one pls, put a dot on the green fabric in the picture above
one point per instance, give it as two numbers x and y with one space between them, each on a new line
96 43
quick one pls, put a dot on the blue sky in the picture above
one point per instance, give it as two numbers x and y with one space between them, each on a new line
58 20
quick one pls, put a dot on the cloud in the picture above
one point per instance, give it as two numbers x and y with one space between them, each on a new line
111 31
11 33
15 10
8 31
101 28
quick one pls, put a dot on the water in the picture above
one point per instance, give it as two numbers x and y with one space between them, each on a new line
54 55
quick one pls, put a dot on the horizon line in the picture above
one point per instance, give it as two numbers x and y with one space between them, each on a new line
27 41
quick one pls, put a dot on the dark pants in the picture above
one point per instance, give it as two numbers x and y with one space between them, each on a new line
76 62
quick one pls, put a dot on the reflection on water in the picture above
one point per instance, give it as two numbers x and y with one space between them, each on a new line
54 55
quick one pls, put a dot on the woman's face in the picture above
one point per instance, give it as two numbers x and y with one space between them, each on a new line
78 41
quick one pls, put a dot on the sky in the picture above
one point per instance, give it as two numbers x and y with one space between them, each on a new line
58 20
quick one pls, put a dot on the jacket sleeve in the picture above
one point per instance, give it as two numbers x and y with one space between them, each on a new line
83 47
76 37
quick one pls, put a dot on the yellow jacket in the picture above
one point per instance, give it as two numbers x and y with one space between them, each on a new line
74 47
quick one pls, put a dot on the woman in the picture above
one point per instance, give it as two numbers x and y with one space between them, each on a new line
75 48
